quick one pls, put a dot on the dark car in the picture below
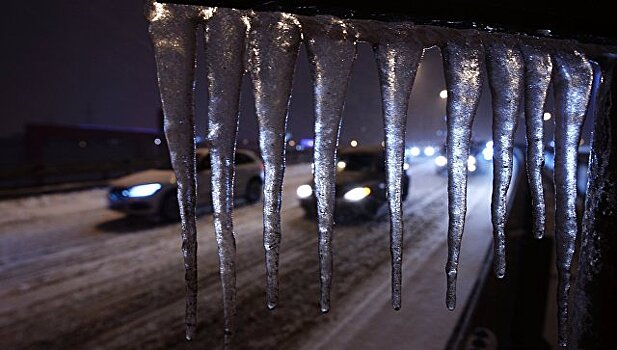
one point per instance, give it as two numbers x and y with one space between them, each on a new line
360 184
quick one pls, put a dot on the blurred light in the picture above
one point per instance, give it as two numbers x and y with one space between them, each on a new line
292 143
471 167
443 94
546 116
353 143
383 144
406 166
143 190
307 143
582 142
157 141
471 161
441 161
487 153
304 191
489 144
341 165
414 151
82 144
357 194
429 151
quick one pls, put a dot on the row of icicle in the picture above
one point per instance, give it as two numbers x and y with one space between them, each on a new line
266 46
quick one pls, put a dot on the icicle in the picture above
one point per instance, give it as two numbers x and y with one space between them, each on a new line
274 40
398 55
505 73
462 66
225 42
538 70
573 77
172 29
331 49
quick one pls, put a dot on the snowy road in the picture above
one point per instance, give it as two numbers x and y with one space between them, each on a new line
76 275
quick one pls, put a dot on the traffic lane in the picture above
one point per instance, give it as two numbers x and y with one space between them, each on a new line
115 293
367 321
86 264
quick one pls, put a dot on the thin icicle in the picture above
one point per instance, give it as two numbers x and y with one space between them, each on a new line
274 40
225 41
573 77
505 76
398 55
172 29
463 57
331 49
538 70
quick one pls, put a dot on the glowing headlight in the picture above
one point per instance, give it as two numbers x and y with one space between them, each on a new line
143 190
406 166
471 167
304 191
429 151
414 151
471 161
341 165
357 194
441 161
487 153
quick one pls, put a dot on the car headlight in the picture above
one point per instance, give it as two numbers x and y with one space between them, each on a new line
357 194
142 190
471 160
304 191
441 161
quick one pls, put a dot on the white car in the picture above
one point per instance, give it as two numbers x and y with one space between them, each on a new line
153 192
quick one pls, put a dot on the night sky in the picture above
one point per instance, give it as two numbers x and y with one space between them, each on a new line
91 62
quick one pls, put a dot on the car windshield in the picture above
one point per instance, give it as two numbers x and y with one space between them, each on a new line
356 162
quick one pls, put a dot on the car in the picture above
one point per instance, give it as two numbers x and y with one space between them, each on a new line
153 192
360 184
479 160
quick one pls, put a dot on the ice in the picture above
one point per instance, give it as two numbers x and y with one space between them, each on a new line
273 42
505 67
398 54
331 48
173 32
573 77
225 35
538 70
463 57
273 45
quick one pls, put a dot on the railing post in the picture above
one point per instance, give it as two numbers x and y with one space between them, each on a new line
594 313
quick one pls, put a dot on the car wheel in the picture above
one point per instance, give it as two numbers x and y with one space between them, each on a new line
253 191
170 210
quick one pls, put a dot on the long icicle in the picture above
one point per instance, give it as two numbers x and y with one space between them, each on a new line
463 59
398 55
573 77
274 40
505 67
538 71
173 32
331 49
225 41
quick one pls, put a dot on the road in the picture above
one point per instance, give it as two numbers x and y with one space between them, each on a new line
76 275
